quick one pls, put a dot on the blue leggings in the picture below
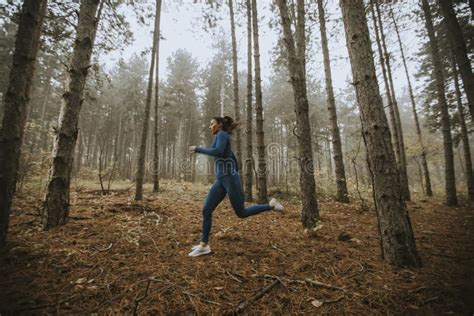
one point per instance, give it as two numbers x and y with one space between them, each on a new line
230 185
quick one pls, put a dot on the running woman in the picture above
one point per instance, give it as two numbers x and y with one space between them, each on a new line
227 182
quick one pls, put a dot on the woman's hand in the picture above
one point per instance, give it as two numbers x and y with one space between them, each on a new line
192 149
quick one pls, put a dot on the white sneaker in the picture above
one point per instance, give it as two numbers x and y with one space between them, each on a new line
199 251
276 205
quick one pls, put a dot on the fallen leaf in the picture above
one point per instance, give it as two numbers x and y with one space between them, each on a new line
81 280
317 303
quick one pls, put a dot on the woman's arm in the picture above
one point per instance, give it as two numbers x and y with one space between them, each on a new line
218 151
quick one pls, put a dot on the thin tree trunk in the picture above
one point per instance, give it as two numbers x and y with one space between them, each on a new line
341 184
310 211
44 105
262 165
146 115
80 152
450 181
16 103
56 202
464 133
399 130
388 91
471 6
424 162
300 36
248 168
156 162
458 44
397 239
235 74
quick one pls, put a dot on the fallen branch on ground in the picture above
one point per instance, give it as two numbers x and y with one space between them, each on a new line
242 306
307 281
138 300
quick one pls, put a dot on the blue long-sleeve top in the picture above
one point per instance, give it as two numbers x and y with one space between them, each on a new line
225 162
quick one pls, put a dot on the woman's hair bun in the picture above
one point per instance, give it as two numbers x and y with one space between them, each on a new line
227 122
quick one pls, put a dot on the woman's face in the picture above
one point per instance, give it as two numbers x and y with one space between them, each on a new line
214 126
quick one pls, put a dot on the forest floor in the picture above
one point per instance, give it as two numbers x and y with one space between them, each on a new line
122 257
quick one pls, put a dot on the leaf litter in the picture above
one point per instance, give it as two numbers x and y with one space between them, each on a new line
121 256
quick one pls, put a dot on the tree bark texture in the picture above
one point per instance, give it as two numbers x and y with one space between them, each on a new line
388 92
146 115
156 162
341 184
56 202
450 181
16 103
399 130
235 75
426 174
397 239
310 211
458 44
249 164
261 163
464 133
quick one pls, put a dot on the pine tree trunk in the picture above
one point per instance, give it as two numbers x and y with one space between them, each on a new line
44 106
310 211
399 130
397 239
146 115
300 36
16 102
249 165
156 162
235 75
388 91
464 134
450 182
458 43
56 202
426 174
262 164
341 184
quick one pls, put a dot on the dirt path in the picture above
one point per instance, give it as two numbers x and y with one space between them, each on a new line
118 256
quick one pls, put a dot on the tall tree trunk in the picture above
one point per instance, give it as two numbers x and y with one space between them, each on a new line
464 133
300 36
56 201
458 44
47 95
399 130
146 114
388 91
426 174
262 164
16 102
450 181
397 239
249 164
156 162
310 212
235 74
80 152
341 184
471 6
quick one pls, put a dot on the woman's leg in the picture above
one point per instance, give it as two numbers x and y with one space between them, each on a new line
214 197
233 187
